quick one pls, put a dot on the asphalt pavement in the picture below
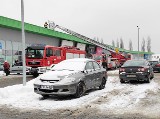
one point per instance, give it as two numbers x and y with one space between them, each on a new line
13 79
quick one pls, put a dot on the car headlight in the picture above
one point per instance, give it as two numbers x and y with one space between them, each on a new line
67 80
43 69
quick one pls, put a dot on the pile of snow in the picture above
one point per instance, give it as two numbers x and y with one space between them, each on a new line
129 96
113 71
20 96
24 97
2 73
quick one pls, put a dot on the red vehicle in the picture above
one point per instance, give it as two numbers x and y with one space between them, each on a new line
106 61
102 59
42 57
111 62
121 57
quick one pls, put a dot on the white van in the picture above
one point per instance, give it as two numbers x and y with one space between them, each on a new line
155 57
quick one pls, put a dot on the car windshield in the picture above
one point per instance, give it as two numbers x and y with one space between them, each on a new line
134 63
70 65
97 57
18 64
34 53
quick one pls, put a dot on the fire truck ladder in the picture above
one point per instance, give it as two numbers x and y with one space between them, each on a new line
85 38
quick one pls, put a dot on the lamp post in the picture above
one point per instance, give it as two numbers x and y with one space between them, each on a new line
138 41
23 43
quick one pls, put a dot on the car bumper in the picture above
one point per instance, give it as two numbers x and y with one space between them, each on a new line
141 76
156 69
19 71
56 89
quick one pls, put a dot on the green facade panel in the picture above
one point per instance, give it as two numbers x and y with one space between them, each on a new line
14 24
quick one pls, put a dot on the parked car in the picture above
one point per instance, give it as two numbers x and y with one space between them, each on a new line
1 66
18 68
71 77
136 70
155 64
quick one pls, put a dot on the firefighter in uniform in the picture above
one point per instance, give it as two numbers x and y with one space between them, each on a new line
45 25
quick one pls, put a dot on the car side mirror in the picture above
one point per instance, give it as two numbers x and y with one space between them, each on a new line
85 71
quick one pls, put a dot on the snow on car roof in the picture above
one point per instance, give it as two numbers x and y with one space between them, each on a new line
79 59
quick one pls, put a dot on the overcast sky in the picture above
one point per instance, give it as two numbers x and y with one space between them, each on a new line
106 19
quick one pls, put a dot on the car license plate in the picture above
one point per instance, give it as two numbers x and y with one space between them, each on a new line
46 87
131 75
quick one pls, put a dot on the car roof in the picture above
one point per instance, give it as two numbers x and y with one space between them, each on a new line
80 59
138 60
153 60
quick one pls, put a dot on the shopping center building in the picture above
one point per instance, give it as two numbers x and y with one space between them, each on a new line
11 40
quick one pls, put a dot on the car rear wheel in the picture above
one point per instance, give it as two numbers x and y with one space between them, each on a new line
80 90
103 83
122 81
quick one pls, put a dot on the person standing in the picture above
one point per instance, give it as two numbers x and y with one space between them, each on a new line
6 67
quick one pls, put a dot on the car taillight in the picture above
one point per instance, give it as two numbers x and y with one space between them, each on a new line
157 65
121 69
141 69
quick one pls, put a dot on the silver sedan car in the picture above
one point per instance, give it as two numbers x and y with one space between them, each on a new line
71 77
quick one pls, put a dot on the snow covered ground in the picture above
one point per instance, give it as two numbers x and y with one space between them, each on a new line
2 73
113 71
24 96
116 97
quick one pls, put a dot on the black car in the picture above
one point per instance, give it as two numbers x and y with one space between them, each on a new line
155 65
136 70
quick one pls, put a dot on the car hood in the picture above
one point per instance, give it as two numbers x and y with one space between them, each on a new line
57 75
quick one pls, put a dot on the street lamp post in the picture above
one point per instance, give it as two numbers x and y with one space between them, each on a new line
138 41
23 44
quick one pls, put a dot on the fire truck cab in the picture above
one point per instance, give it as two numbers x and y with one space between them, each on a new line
41 58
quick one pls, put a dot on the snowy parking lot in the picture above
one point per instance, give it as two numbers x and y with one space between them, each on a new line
116 98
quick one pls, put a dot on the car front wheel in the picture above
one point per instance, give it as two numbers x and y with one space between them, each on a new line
80 90
103 83
122 81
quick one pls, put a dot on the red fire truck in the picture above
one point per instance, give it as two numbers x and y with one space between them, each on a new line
106 61
40 58
121 57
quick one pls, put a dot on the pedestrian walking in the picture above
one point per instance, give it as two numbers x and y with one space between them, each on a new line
6 67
